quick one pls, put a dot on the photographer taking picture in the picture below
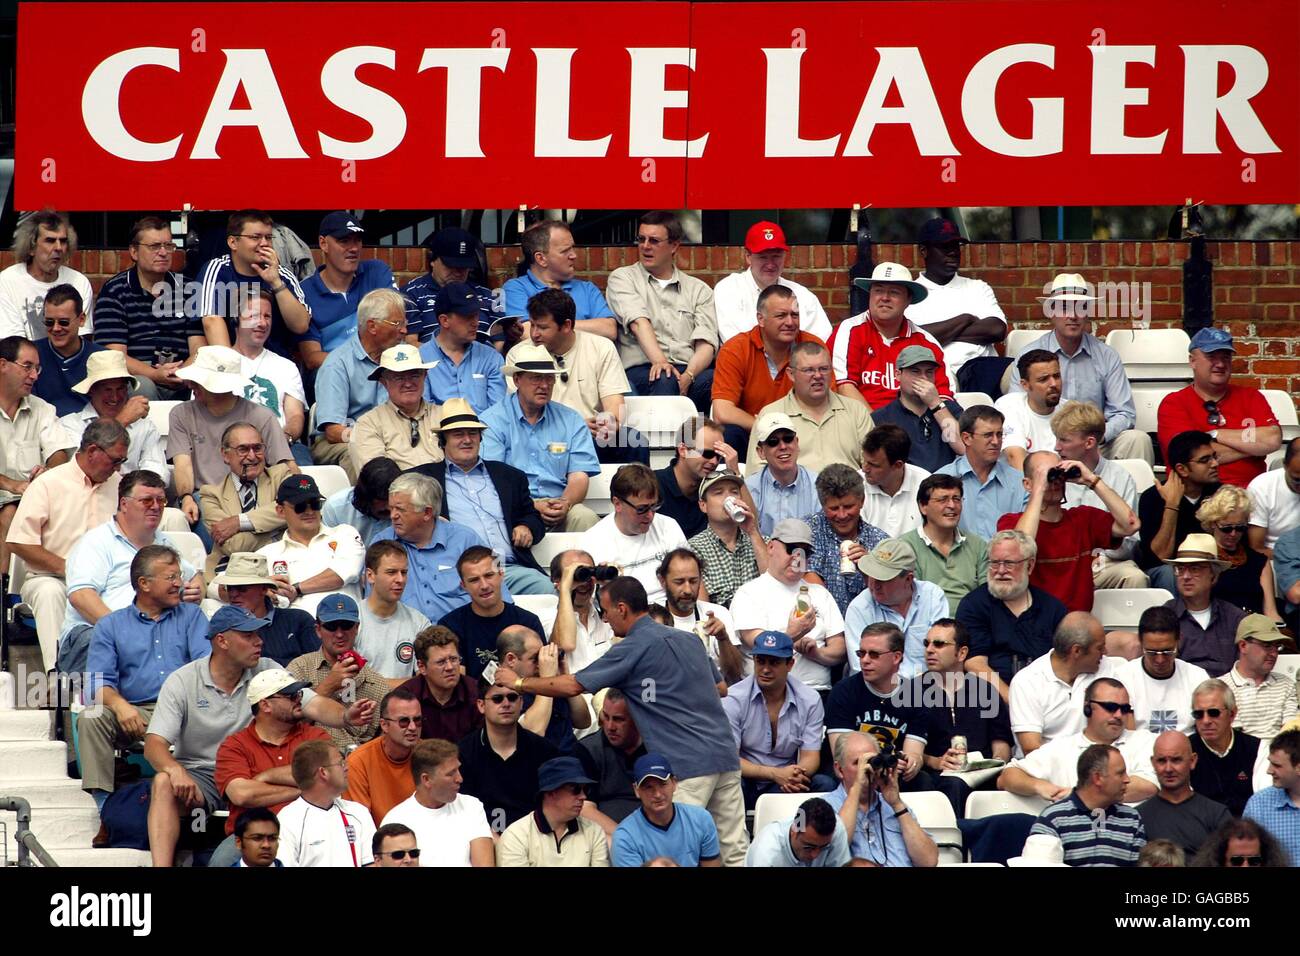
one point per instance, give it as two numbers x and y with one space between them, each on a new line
882 830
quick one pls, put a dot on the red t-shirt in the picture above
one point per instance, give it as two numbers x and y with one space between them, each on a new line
243 755
1065 553
861 355
1184 411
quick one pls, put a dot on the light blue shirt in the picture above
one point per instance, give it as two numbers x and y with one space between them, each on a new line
587 297
983 504
472 500
776 502
344 391
1286 561
101 561
477 378
134 654
800 723
690 837
548 452
433 583
771 847
1274 810
878 836
1095 373
339 509
929 603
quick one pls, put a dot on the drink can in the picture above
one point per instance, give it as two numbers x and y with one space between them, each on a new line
846 563
959 744
734 508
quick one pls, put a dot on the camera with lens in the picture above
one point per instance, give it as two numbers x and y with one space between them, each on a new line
601 573
1063 474
885 761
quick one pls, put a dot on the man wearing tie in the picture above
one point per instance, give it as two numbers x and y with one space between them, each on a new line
240 512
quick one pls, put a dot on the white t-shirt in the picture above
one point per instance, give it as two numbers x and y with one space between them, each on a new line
338 549
443 835
388 643
1024 428
342 835
711 645
1276 506
961 296
273 377
594 638
637 554
898 514
735 299
22 300
1057 760
765 604
1160 705
1041 703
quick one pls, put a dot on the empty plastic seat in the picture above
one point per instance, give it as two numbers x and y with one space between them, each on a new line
970 399
1283 405
1152 355
989 803
1142 474
552 543
1122 607
329 478
1018 339
160 414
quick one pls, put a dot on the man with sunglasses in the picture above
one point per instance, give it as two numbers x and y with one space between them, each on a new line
1237 417
239 511
345 384
635 537
1266 700
337 672
1275 496
1230 765
556 833
700 451
379 771
460 366
254 765
1277 809
668 329
310 560
1167 510
1177 812
1159 684
395 845
404 427
63 352
1050 771
57 509
783 488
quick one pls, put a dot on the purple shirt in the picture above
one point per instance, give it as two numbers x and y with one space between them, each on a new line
799 725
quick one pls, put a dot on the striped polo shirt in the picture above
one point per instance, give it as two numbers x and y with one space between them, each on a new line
1110 836
127 314
1262 709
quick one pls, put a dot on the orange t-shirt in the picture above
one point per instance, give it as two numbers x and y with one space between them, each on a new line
741 375
376 781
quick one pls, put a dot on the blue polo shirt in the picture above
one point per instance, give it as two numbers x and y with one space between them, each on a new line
334 314
135 654
688 839
422 313
477 378
433 583
548 452
344 391
60 373
983 504
588 299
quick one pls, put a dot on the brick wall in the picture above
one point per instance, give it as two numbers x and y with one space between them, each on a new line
1256 284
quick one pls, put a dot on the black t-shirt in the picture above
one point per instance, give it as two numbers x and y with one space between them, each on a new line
976 711
930 453
507 788
612 770
478 635
1188 824
1009 642
1228 780
1151 511
1240 586
676 504
291 633
853 705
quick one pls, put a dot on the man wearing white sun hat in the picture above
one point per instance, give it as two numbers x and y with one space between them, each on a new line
108 386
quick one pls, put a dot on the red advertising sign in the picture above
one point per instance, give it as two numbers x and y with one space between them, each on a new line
640 105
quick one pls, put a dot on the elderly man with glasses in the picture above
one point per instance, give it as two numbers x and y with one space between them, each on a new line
239 511
404 428
634 537
310 560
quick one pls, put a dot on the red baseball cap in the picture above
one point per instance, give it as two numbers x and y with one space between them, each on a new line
765 236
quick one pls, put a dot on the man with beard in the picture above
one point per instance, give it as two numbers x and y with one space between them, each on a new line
1028 413
680 574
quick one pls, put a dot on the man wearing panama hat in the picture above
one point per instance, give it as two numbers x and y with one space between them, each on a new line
1091 371
403 427
865 347
1207 626
108 386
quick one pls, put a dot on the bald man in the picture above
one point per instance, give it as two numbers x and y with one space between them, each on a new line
1177 812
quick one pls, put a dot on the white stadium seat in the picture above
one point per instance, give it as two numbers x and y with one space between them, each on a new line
1146 400
1118 608
1152 355
778 806
190 546
1274 460
657 418
552 543
598 490
329 478
160 413
990 803
1017 339
934 814
1283 405
1142 474
210 606
971 399
1287 665
539 604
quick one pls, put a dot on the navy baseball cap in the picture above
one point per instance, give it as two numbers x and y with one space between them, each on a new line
234 618
1212 340
939 232
773 644
337 607
340 225
456 248
559 771
458 298
651 765
298 488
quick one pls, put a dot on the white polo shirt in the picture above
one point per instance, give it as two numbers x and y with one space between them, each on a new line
338 549
895 514
1057 760
1023 427
443 835
1160 705
593 640
1276 506
637 554
735 299
961 296
341 835
765 604
1042 703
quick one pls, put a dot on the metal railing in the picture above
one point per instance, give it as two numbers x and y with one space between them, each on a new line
28 845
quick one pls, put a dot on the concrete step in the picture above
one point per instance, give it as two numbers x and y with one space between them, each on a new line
63 793
65 827
23 760
67 857
26 725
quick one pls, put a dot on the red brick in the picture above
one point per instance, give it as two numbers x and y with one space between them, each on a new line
1274 347
1280 252
1252 348
1275 366
1239 294
1277 294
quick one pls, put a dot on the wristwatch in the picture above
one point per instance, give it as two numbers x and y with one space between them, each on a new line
297 589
